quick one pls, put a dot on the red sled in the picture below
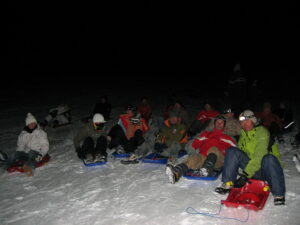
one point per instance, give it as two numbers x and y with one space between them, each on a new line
252 196
19 165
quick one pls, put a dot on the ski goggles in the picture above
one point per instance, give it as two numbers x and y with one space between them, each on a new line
242 118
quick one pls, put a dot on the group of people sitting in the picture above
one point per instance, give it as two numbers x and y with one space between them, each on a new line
241 147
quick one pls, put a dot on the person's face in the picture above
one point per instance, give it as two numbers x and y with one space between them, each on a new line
267 110
207 107
31 126
219 124
173 120
247 125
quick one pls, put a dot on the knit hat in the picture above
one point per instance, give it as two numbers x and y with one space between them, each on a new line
248 115
30 119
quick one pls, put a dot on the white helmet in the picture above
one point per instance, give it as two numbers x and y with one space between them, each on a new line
98 118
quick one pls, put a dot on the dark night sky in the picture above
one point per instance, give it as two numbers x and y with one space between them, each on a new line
48 41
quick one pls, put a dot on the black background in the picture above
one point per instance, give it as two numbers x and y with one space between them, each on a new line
147 40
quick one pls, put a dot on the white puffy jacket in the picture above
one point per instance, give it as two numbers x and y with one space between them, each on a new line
37 141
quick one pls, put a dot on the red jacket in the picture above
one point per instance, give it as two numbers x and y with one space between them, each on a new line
145 111
204 115
267 119
216 138
131 128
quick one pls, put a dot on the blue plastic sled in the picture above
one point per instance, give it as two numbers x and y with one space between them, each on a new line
125 155
192 175
94 164
159 159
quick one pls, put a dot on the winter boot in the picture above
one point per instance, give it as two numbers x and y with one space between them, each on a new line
173 174
133 159
279 200
88 159
172 161
224 188
208 165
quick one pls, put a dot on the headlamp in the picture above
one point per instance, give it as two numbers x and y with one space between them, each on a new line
242 118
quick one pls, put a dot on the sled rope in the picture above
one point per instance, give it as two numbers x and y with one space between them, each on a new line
191 210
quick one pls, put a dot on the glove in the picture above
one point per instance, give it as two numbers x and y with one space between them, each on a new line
243 179
159 147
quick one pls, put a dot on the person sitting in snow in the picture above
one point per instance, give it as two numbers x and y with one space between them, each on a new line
103 107
233 126
171 138
128 134
202 119
58 116
271 121
256 157
32 146
91 141
210 147
144 109
178 108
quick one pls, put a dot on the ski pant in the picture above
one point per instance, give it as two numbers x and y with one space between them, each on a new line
89 147
270 171
196 161
28 158
118 137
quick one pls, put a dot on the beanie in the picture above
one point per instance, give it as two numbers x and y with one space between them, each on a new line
30 119
248 115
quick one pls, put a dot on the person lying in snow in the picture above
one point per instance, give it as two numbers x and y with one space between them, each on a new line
256 157
211 147
91 141
128 134
58 116
32 146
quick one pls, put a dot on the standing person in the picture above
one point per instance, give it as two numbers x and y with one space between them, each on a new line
103 107
171 138
32 146
202 119
128 134
256 158
211 147
91 141
144 109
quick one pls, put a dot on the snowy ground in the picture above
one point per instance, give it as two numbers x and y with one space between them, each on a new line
67 192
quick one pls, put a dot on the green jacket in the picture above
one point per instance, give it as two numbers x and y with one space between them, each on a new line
172 133
255 144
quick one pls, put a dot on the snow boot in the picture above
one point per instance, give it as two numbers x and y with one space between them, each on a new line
172 174
208 165
224 188
133 159
279 200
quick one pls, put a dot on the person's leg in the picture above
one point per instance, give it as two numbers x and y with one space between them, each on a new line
272 172
15 157
87 148
101 146
117 137
31 158
234 159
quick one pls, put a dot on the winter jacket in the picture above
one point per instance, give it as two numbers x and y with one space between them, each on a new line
171 133
37 141
89 131
145 110
130 128
232 127
215 138
267 119
204 115
255 144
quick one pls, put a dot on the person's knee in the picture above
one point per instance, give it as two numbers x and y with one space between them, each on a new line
270 160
